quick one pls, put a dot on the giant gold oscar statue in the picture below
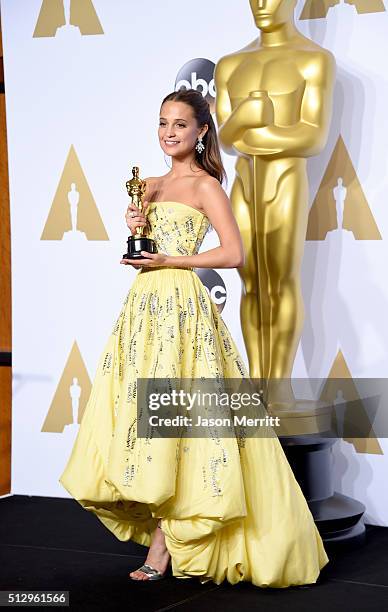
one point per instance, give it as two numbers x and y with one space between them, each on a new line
274 106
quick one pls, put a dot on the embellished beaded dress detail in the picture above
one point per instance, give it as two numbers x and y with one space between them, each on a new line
231 508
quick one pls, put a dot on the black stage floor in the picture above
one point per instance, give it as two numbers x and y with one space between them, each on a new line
54 544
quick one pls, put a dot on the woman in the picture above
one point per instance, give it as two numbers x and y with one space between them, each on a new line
216 508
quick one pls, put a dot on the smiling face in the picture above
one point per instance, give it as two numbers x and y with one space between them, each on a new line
269 14
178 129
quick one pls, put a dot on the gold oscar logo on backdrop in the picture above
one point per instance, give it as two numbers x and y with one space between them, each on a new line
340 203
67 15
74 214
339 388
317 9
71 396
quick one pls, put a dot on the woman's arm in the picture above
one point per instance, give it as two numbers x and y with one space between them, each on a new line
217 207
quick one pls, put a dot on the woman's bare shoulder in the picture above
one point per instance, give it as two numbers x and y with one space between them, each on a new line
155 181
153 184
208 185
151 181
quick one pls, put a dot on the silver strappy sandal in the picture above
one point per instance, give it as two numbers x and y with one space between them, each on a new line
149 571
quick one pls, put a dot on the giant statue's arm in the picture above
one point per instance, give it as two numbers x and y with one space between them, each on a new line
309 135
230 126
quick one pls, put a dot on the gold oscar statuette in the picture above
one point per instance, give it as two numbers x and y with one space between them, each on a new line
136 188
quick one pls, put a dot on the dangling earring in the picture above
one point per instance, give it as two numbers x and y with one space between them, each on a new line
200 147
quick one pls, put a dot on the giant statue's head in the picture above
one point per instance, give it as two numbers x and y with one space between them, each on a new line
270 14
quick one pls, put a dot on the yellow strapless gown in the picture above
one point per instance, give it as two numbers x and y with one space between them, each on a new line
229 510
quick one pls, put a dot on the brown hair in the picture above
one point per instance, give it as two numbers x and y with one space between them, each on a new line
210 160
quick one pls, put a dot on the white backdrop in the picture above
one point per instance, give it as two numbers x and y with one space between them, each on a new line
83 108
